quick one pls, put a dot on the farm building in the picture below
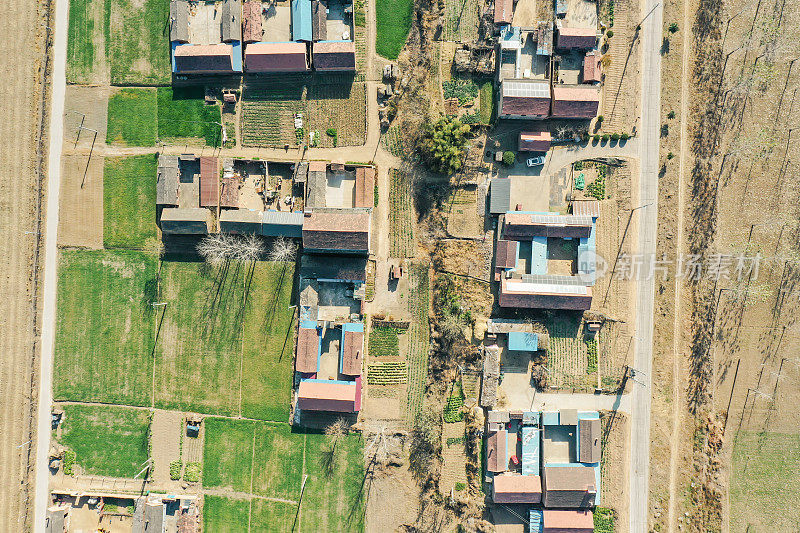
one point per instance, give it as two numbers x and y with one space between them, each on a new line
266 223
57 519
167 180
209 182
206 59
185 221
570 486
524 99
337 231
334 269
512 456
554 266
340 186
179 21
334 56
365 187
252 29
329 396
575 102
559 521
591 68
301 21
516 488
499 196
202 42
503 11
534 141
576 38
275 57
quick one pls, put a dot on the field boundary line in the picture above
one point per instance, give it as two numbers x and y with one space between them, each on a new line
252 465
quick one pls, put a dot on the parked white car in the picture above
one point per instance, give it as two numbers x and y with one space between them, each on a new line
536 161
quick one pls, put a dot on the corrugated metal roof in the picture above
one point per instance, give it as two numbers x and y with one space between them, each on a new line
530 451
586 208
209 181
301 20
167 180
282 223
500 196
231 20
522 341
536 521
319 395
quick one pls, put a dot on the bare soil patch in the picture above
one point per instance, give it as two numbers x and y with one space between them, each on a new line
80 222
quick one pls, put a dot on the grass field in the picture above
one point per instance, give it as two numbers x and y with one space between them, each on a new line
461 20
89 26
268 344
105 327
107 440
129 201
332 498
393 24
228 453
183 113
224 515
488 111
198 358
765 468
132 117
139 44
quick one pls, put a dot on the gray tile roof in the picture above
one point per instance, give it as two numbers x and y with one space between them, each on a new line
500 196
179 21
231 20
186 221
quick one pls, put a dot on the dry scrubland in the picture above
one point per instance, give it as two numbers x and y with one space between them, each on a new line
725 468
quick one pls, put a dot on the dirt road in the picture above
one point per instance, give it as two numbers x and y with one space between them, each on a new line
21 102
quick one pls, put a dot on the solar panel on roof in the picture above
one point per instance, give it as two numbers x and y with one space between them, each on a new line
530 90
550 220
552 279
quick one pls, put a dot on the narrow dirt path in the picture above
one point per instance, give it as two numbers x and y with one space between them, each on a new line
674 441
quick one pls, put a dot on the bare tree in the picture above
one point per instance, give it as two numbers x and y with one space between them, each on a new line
334 431
451 327
154 246
221 247
283 249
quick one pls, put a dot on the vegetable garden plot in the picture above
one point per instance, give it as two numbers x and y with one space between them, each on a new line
268 115
341 107
418 340
387 373
568 354
384 342
401 213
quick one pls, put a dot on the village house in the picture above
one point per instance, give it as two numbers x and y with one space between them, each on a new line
205 37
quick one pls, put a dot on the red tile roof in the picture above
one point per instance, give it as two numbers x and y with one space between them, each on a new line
496 453
334 56
365 187
576 38
591 67
503 11
534 141
307 350
568 521
352 353
525 105
506 254
251 22
275 57
575 102
569 486
322 396
342 231
515 488
209 182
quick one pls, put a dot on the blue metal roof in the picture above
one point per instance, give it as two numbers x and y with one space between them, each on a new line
538 260
530 451
308 324
550 418
536 521
301 20
335 381
282 224
520 341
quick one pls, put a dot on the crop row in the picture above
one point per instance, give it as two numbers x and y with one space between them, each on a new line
387 373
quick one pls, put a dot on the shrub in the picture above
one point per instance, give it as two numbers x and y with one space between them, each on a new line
509 157
193 471
597 188
599 119
596 137
452 411
175 468
664 130
671 114
605 137
331 132
624 136
460 486
578 165
673 27
69 462
609 34
670 155
615 136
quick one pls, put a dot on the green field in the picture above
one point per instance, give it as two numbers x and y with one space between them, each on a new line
139 44
132 117
268 344
183 113
393 24
332 500
384 342
107 440
766 467
105 327
269 517
223 515
129 201
89 26
487 103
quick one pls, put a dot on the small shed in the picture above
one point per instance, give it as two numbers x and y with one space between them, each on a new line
534 141
155 515
251 22
179 21
240 221
365 187
301 21
500 196
506 254
521 341
56 519
167 180
231 20
503 11
209 181
591 67
185 221
567 521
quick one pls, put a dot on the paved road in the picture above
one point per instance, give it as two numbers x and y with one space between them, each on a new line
648 224
546 401
59 83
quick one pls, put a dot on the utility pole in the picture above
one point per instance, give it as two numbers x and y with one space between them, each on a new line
733 387
621 242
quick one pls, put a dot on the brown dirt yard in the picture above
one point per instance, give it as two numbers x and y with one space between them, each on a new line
21 106
80 221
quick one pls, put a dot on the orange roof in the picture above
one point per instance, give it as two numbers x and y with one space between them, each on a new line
317 166
209 182
327 396
534 141
496 456
204 50
572 521
352 352
365 187
307 350
515 488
